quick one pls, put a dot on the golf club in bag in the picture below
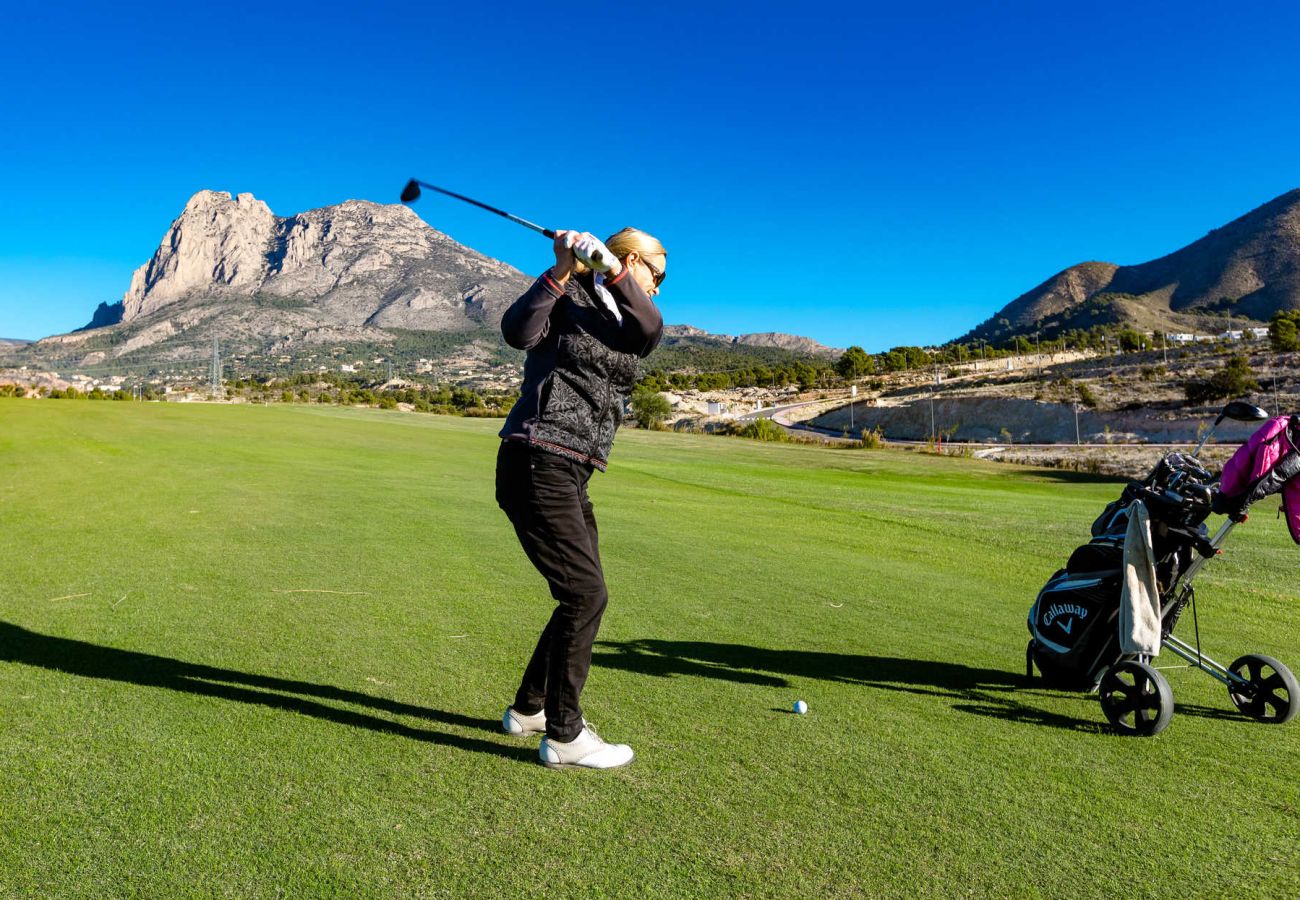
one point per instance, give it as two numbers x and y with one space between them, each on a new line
411 193
1077 621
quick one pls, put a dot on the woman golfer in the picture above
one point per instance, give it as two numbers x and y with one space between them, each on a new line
585 324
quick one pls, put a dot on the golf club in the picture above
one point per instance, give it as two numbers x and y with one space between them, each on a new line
1238 410
411 193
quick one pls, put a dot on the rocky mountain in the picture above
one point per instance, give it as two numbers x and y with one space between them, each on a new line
1249 269
352 273
361 278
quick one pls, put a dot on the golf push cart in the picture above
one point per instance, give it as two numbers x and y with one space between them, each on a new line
1076 621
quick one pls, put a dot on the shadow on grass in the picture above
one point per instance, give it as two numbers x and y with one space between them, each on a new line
1227 713
986 692
18 645
1069 476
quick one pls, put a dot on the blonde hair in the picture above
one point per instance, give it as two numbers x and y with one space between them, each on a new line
631 240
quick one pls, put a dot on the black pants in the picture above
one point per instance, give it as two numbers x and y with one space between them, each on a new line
545 497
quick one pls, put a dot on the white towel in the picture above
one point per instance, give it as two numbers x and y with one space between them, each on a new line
605 297
1139 605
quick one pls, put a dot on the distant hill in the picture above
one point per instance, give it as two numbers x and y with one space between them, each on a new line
11 343
358 279
1248 269
687 347
774 339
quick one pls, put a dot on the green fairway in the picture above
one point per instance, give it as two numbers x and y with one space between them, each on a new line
252 651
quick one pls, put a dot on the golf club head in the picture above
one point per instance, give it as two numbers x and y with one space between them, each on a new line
1242 411
411 191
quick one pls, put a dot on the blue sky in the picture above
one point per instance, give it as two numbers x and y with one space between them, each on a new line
857 173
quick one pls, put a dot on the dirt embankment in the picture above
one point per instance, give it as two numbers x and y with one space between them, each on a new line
1012 420
1131 397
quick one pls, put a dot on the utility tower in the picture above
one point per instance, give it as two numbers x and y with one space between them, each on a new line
216 367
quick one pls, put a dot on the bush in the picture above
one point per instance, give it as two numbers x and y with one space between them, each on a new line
764 430
1284 331
464 398
1235 379
650 408
873 438
1131 341
1086 396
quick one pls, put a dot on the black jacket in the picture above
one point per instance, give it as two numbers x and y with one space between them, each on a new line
581 363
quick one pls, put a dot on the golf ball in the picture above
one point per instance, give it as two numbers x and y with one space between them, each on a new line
800 707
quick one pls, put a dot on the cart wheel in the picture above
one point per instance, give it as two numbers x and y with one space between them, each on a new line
1270 692
1029 660
1136 698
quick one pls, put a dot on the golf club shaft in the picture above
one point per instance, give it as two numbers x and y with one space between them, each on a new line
492 209
1196 454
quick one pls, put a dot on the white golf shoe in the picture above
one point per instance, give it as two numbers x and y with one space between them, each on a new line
586 751
520 725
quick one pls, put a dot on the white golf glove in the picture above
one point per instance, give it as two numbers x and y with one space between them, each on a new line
592 252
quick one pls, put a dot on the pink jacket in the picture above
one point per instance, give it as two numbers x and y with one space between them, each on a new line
1257 458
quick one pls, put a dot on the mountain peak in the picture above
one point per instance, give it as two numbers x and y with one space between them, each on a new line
356 264
206 200
216 242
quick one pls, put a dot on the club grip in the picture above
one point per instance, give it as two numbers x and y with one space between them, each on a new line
596 257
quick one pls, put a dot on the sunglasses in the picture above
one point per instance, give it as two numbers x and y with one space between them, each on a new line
658 274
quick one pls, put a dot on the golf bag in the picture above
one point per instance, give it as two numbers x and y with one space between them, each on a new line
1267 464
1074 623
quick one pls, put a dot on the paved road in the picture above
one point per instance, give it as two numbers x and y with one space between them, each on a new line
769 412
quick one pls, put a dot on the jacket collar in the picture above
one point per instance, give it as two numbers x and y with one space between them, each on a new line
583 286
